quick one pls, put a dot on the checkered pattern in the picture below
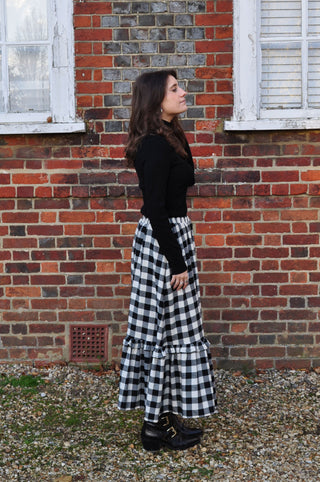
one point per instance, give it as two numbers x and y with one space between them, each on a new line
166 364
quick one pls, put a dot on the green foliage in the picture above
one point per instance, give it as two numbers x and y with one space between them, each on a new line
24 381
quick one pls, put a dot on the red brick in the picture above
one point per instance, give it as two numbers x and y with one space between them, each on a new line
239 339
267 352
15 341
214 19
82 21
50 354
298 290
299 265
222 5
78 291
224 33
17 353
214 253
214 73
45 230
20 217
48 304
280 176
76 316
272 227
295 215
239 265
270 277
268 302
93 8
266 327
243 240
213 99
301 239
26 292
31 178
112 279
241 215
32 153
270 252
80 267
46 328
53 280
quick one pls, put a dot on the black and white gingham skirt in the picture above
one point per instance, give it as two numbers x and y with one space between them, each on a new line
166 363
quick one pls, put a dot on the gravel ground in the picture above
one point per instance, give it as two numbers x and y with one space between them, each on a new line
61 424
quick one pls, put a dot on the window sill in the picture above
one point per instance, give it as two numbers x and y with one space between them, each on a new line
42 128
272 124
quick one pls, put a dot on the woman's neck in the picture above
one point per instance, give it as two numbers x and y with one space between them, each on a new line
166 117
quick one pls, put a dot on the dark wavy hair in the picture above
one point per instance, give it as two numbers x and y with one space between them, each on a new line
148 93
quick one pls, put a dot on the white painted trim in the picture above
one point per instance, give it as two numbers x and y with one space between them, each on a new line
247 114
245 60
42 128
63 104
271 124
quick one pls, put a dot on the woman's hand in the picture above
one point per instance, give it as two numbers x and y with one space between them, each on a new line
179 281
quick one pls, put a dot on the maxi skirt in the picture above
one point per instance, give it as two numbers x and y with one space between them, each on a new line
166 364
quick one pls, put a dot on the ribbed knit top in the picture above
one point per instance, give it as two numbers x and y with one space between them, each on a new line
164 177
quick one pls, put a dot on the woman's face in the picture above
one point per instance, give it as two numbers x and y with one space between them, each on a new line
174 101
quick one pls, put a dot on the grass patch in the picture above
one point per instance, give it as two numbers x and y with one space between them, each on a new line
73 420
24 381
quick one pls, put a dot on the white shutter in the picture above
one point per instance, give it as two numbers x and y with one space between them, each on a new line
281 76
279 19
314 54
314 17
1 90
280 60
289 56
314 75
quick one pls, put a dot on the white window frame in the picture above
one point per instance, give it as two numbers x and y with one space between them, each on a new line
246 75
61 118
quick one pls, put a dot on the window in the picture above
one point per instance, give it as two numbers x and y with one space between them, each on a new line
37 67
277 65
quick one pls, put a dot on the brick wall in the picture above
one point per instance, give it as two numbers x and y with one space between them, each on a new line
69 205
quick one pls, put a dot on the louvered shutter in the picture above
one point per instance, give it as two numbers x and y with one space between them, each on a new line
289 55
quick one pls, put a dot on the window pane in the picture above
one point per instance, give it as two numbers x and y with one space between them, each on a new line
28 79
1 89
314 17
279 19
314 75
281 78
26 20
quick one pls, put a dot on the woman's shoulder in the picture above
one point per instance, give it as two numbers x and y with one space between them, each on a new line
156 145
154 140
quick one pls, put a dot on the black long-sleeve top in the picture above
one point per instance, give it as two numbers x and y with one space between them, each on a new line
164 177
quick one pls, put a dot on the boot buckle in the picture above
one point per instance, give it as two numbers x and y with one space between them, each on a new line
165 421
173 431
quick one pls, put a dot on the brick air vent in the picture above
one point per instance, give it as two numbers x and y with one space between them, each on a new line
88 343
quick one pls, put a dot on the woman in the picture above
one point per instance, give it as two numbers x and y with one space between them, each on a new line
166 366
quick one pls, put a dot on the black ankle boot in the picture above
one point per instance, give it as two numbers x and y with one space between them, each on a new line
155 435
170 418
